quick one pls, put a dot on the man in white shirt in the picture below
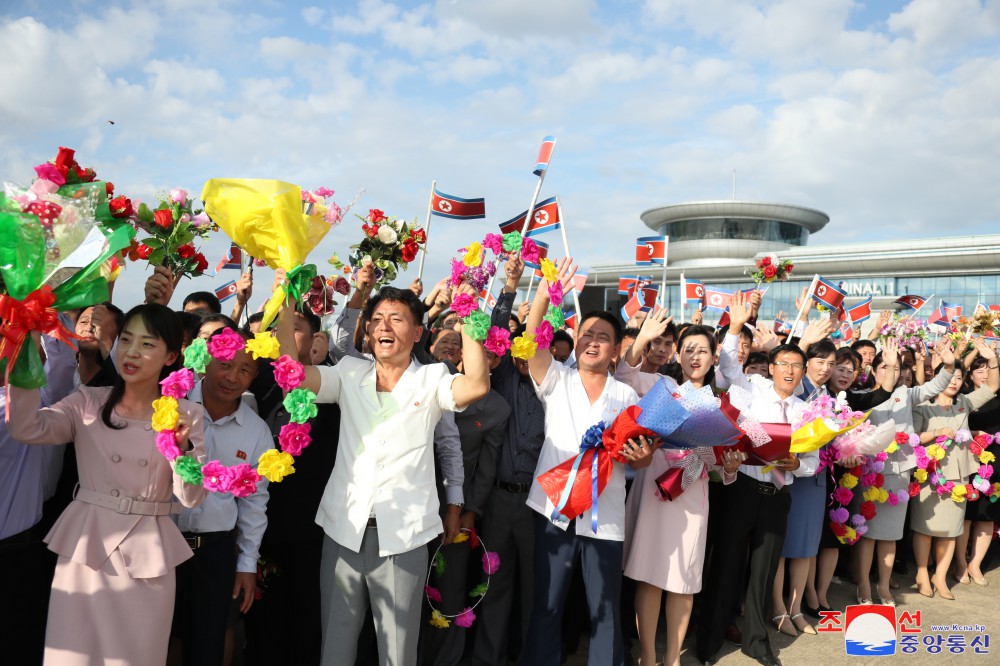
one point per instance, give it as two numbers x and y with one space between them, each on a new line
218 572
576 399
752 504
380 507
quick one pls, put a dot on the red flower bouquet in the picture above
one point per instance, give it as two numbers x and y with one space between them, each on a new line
173 226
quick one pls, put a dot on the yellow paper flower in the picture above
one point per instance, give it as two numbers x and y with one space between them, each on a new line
936 452
439 621
850 534
871 494
892 448
263 345
473 255
958 493
549 271
165 414
920 475
848 480
986 457
524 346
275 465
883 495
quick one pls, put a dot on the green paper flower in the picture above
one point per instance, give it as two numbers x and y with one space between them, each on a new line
188 469
555 317
512 242
301 405
196 356
479 590
439 564
477 325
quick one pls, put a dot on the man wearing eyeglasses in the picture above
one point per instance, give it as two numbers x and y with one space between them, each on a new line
753 504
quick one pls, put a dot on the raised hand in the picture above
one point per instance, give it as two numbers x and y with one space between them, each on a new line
653 327
160 286
697 316
946 351
244 289
522 311
514 269
417 287
816 331
739 313
890 352
985 350
804 297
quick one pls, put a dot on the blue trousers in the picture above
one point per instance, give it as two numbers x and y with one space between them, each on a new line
556 553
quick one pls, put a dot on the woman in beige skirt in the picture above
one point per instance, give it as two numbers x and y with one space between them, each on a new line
933 515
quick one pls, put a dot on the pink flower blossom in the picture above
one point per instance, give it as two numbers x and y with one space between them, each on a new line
465 618
491 562
288 373
259 263
985 471
843 495
555 294
166 443
457 272
294 437
216 477
245 480
49 172
342 286
462 304
882 456
177 195
497 340
494 242
544 334
177 384
892 499
226 344
433 594
201 220
529 251
324 192
334 214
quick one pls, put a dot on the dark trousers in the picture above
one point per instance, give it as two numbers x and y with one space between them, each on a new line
289 606
29 566
444 647
556 552
745 513
204 595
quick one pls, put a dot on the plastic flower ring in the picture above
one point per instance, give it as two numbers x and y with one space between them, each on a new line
465 618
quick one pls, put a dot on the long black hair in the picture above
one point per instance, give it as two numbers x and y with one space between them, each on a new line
162 322
693 331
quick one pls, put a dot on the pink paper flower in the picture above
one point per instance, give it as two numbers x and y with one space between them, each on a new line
49 172
462 304
177 384
893 499
334 214
166 443
494 242
529 251
882 456
294 437
324 192
497 340
555 294
177 195
216 477
491 562
985 471
245 480
288 373
224 345
342 286
465 618
839 515
843 495
259 263
432 593
544 334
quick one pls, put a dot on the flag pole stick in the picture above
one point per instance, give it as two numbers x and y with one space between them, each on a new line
562 228
427 230
531 282
684 297
663 282
531 208
805 304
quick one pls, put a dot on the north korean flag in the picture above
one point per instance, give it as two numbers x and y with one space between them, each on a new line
717 299
234 259
994 308
544 155
860 312
632 305
911 301
626 284
939 317
651 250
487 300
782 326
829 294
457 208
951 310
694 290
546 218
649 295
569 316
543 252
579 280
227 290
846 332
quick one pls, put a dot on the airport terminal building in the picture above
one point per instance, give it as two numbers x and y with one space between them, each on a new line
716 242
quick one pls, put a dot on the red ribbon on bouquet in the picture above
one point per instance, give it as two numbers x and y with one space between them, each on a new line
19 318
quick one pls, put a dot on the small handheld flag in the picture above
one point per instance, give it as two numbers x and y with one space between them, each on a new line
544 155
233 259
226 291
694 290
829 294
649 295
579 280
650 250
569 317
782 326
457 208
545 218
911 301
939 317
543 252
487 300
626 284
860 312
717 299
846 332
634 304
951 310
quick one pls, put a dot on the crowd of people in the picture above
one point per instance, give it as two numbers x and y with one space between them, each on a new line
422 438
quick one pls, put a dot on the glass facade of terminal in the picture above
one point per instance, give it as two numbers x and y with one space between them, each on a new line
736 228
964 290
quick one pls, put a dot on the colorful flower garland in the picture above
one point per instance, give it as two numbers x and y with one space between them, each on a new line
476 270
239 480
491 564
927 463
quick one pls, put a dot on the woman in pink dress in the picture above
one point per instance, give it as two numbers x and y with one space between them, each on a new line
665 540
113 591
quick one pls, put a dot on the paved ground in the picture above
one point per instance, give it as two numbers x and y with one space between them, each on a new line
973 605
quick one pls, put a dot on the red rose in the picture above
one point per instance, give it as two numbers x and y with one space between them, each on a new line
109 188
788 267
120 207
65 159
868 510
202 263
163 218
418 235
185 251
766 261
409 251
838 528
143 251
371 230
770 271
375 215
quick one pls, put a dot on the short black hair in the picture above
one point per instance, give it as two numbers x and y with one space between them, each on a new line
848 355
786 349
212 318
858 345
604 315
514 317
754 358
207 297
821 349
191 322
394 295
630 332
562 336
315 323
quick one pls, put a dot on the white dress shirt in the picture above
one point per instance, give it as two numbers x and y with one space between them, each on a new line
766 407
568 415
241 437
385 458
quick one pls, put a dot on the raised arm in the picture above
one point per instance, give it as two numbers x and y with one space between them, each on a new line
538 365
285 331
475 380
653 327
928 391
729 363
